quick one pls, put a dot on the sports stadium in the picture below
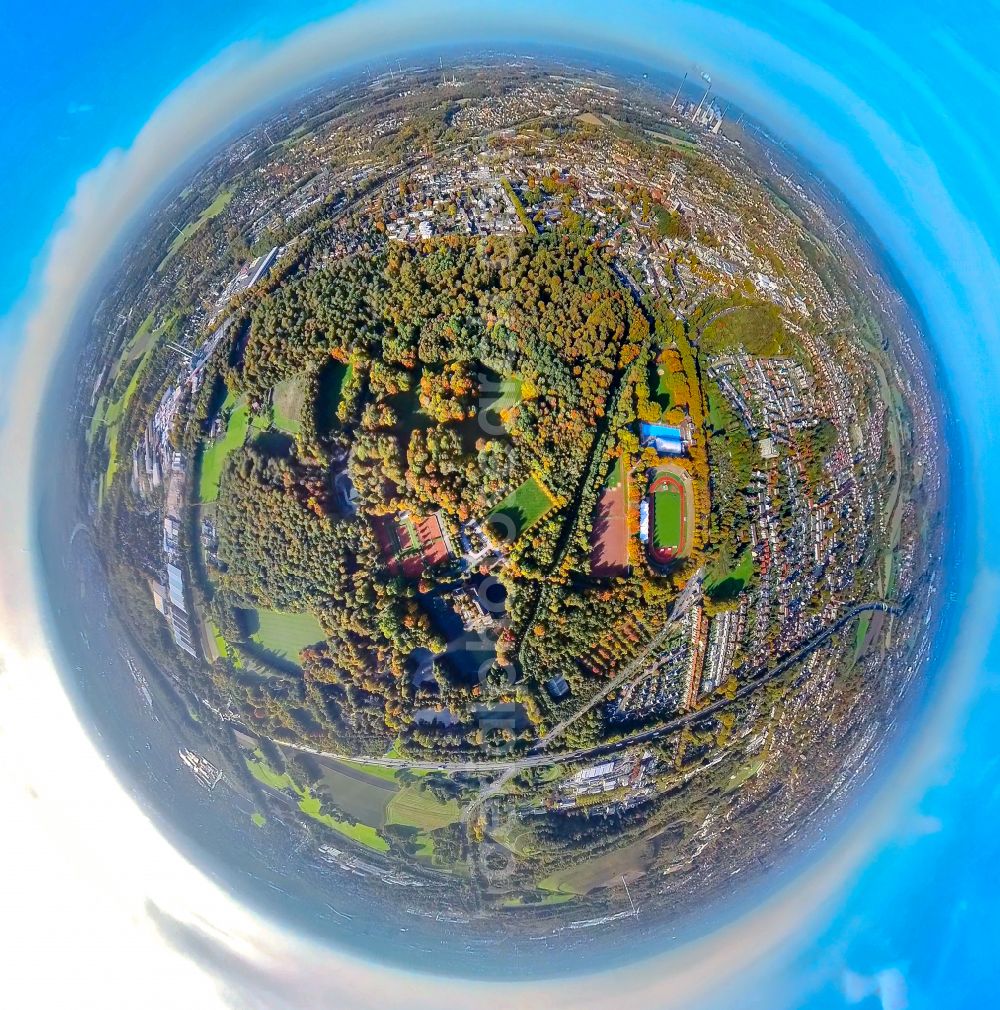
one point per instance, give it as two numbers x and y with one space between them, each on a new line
667 516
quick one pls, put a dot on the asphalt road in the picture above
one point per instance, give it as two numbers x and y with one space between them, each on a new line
510 767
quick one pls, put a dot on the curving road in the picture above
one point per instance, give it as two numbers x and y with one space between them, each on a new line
672 725
510 767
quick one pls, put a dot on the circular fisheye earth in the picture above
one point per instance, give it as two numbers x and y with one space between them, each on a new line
508 508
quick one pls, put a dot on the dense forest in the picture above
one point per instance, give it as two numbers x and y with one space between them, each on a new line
399 356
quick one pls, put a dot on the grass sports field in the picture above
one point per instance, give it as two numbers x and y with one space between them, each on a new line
282 636
520 510
667 518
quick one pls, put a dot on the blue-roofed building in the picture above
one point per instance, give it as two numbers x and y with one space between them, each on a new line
667 441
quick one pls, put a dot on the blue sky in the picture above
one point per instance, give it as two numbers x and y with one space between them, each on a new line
896 102
78 79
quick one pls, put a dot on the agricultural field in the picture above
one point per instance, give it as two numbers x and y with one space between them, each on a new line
359 794
420 808
601 871
862 631
869 630
520 510
96 420
109 413
309 804
363 833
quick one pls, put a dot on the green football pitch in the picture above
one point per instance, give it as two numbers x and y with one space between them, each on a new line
667 519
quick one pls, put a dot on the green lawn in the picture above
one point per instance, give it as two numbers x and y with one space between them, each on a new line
377 771
501 395
421 809
113 414
111 441
288 399
744 773
755 326
281 636
425 846
213 457
258 819
363 833
214 209
659 385
225 651
116 409
140 342
549 898
667 519
890 572
715 405
725 582
508 396
520 510
864 621
517 837
97 420
394 751
616 475
108 413
264 773
333 378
